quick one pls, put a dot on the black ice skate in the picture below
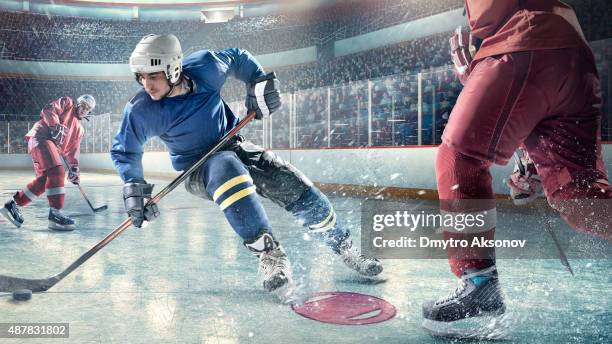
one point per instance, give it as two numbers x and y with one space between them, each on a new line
473 310
12 213
59 221
352 257
273 261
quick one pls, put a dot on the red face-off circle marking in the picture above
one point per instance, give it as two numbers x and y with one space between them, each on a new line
345 308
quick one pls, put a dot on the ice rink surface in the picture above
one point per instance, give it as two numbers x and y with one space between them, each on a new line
187 279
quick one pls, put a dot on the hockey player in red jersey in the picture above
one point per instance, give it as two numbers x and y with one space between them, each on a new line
57 134
532 80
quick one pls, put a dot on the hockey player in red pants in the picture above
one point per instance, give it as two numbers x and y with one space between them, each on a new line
57 134
532 81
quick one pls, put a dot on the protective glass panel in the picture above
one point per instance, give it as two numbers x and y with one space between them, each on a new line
349 115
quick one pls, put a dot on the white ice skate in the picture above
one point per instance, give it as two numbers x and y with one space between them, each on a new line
273 262
352 257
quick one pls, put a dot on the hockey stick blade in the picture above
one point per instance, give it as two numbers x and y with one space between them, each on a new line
9 283
102 208
95 210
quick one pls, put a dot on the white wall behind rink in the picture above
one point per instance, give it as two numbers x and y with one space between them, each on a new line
405 167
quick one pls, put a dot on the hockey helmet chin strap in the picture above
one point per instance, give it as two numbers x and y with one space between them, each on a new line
172 86
183 79
86 117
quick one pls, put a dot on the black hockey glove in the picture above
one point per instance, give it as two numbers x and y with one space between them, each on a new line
135 197
263 96
58 134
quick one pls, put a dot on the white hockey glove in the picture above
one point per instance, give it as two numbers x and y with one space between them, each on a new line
135 198
263 96
462 49
74 175
524 183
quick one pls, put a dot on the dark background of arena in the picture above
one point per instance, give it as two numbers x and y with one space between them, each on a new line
391 70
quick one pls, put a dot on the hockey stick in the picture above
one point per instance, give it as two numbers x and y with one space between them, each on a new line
95 210
544 209
548 227
9 284
519 163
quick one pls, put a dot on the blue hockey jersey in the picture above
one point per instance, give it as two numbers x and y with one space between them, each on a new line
190 124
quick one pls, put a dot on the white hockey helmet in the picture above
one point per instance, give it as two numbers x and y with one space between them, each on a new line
86 99
158 53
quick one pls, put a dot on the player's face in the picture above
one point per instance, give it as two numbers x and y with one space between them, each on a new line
83 110
155 84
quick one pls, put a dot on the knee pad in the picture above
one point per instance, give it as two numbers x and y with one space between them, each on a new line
229 184
464 184
195 184
226 179
222 165
55 177
462 177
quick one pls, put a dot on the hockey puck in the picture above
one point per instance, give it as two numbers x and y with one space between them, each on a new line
22 295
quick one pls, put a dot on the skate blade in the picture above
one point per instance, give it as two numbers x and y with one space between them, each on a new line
289 293
365 279
375 273
490 327
6 214
67 228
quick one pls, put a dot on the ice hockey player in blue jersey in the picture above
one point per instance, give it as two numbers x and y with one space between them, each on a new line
180 103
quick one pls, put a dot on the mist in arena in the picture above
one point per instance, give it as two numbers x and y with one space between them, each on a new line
344 171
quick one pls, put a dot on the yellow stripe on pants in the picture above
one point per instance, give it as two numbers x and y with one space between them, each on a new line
236 197
231 183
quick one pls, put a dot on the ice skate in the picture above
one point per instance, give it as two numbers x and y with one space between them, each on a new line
273 261
12 213
59 221
352 257
474 310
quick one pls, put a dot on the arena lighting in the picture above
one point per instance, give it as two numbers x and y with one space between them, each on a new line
217 14
160 3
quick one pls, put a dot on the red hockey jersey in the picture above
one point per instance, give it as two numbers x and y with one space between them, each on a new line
508 26
62 111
